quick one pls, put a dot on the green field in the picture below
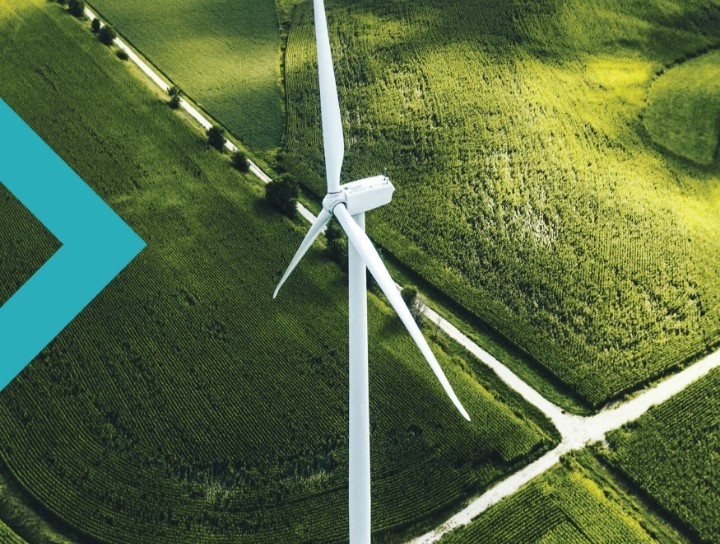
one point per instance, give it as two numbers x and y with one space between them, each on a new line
7 536
577 502
184 405
673 454
683 113
224 54
528 189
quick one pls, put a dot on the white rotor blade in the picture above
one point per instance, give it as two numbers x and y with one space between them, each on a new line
369 254
323 217
329 104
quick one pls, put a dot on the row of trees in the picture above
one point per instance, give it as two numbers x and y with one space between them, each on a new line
281 193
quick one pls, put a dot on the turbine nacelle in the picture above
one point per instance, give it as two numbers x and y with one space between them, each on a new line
362 195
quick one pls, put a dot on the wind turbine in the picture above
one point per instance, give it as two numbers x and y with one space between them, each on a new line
348 203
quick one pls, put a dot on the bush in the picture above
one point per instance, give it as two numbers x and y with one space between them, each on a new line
107 35
76 8
122 54
216 137
95 25
417 307
174 93
240 162
282 194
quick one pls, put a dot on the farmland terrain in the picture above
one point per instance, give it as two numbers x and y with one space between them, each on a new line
183 405
224 54
683 113
528 187
673 454
577 502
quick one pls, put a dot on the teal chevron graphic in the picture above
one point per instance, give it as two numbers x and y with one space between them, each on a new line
95 244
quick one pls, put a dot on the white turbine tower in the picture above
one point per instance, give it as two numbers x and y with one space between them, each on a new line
348 203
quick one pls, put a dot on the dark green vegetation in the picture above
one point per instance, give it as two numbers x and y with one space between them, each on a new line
673 454
282 194
107 35
576 502
683 113
216 137
528 189
184 405
7 536
224 54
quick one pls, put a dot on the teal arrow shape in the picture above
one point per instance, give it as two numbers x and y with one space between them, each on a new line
95 244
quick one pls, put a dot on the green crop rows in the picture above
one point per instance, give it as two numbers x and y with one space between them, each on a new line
528 189
224 54
577 502
683 114
184 405
673 454
7 536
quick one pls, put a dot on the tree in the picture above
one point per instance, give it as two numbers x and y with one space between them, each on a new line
174 93
417 307
240 162
107 35
77 7
282 194
95 25
216 137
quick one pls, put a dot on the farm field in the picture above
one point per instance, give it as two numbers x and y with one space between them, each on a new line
7 536
576 502
528 188
184 405
224 54
683 113
673 454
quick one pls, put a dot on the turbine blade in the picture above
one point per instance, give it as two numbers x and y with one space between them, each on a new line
323 217
369 254
329 104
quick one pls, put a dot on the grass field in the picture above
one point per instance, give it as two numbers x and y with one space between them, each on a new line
673 454
184 405
224 54
683 113
577 502
528 189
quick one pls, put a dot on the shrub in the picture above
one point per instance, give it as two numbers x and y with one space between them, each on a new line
77 7
216 137
174 93
122 54
282 194
95 25
417 307
240 162
107 35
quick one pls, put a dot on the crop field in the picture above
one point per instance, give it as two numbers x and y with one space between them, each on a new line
184 405
7 536
224 54
683 113
673 454
528 188
576 502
